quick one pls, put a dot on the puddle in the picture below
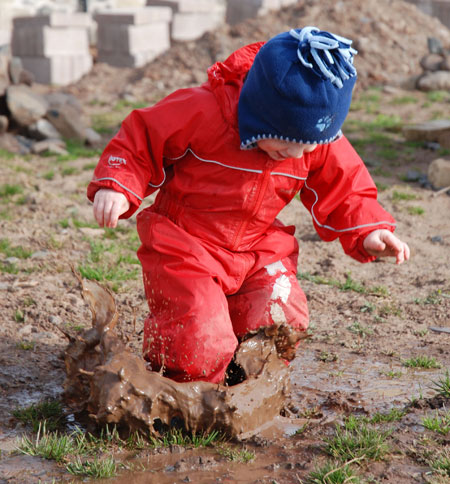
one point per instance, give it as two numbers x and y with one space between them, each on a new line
361 378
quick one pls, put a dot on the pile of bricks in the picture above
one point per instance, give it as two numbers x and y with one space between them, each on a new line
132 37
239 10
55 47
192 18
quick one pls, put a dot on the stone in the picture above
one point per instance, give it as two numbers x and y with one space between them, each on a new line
93 138
68 121
431 62
18 74
4 123
435 81
43 129
25 105
40 254
439 173
48 146
434 45
428 131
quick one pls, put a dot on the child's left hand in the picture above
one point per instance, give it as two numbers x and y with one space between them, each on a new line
383 243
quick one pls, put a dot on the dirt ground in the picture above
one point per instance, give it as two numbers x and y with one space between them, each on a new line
368 321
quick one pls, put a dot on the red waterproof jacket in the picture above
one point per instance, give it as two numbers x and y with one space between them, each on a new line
188 147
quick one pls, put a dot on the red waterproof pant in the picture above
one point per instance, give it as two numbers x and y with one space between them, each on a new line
202 297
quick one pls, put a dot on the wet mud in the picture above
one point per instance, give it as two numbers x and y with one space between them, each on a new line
113 385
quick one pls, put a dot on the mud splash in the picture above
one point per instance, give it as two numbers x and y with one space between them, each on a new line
113 384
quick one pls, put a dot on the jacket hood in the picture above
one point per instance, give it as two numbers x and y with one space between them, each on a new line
225 79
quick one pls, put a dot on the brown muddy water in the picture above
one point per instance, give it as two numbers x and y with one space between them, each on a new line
114 386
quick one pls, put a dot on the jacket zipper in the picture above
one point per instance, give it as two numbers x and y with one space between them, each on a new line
256 206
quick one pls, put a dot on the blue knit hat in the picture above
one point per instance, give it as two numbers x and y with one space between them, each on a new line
298 89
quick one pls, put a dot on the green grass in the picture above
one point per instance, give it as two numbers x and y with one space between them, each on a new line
402 100
50 445
25 345
236 455
422 361
348 285
392 374
7 190
442 465
178 437
49 175
393 415
433 298
333 473
6 155
438 423
16 251
47 412
442 386
77 149
438 96
401 196
96 468
356 439
415 210
360 330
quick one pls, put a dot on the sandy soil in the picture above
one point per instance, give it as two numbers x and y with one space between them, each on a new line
366 320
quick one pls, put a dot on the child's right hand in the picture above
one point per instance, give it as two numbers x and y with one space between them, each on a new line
108 206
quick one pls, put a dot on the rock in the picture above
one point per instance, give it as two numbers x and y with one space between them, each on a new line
93 138
18 74
11 261
25 330
58 99
435 81
43 129
431 62
68 121
8 142
25 144
25 105
49 145
428 131
439 173
40 254
4 123
434 45
445 66
444 140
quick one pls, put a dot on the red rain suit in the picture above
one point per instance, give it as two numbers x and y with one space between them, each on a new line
216 261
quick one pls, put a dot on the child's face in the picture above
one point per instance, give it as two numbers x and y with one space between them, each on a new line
280 149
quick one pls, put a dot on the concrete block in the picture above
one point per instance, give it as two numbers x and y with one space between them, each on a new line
439 173
120 40
188 5
56 19
190 26
60 70
135 16
127 60
46 41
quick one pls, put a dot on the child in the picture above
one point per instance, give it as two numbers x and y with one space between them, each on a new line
227 157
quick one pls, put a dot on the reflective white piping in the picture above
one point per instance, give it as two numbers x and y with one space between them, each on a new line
161 184
342 230
226 166
120 185
289 176
234 167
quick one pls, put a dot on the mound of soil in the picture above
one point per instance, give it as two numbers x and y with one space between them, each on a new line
390 36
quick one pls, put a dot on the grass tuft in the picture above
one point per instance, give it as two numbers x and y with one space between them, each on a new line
442 386
48 413
333 473
422 361
357 440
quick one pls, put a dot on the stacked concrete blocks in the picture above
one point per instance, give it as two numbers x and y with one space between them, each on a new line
240 10
192 18
54 48
132 37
